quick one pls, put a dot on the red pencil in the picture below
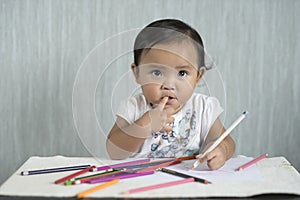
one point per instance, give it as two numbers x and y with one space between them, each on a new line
252 162
73 175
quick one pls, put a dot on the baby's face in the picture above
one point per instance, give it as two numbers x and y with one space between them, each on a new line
168 70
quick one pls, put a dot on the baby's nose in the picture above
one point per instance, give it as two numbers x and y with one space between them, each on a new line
168 85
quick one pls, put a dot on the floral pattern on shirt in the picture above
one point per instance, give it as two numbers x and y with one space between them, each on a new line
175 142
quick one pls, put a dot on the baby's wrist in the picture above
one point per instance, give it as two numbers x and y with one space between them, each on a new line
144 121
152 121
144 124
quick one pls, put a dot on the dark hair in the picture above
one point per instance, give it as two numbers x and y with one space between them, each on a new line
165 31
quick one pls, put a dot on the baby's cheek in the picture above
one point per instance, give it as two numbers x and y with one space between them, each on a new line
151 93
185 95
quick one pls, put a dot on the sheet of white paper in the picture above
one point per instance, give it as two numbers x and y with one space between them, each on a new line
227 173
277 176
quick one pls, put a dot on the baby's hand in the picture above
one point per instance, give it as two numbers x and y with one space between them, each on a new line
161 117
216 158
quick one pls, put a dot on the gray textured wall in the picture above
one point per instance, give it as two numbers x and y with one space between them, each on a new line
255 45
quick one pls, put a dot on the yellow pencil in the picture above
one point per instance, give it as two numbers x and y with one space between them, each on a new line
99 187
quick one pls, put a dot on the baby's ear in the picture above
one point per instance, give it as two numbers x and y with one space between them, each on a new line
201 73
135 71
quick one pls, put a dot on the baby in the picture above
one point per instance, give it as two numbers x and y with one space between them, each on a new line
168 119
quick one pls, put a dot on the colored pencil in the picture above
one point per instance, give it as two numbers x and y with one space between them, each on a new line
221 138
124 164
99 187
175 173
52 170
157 186
101 169
144 165
186 158
73 175
160 163
104 173
122 176
156 167
252 162
84 179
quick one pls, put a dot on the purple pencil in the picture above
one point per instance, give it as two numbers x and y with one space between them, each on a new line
124 164
123 176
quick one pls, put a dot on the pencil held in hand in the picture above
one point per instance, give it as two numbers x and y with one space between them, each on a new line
221 138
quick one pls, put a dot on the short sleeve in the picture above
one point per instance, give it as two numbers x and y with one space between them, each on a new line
126 110
211 111
133 108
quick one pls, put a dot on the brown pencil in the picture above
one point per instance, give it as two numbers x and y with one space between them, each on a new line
186 158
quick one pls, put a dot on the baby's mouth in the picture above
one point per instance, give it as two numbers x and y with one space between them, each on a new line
169 101
169 97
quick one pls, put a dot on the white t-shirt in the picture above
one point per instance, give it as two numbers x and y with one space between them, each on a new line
190 127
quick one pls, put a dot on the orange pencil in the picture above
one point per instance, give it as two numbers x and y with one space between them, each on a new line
99 187
252 162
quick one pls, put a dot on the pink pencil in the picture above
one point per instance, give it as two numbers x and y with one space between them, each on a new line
252 162
124 164
153 187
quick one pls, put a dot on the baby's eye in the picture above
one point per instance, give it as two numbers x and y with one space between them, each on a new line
156 73
182 73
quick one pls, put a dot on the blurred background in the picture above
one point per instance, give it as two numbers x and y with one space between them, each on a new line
65 65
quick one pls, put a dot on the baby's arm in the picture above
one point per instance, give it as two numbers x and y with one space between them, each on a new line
125 139
217 157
